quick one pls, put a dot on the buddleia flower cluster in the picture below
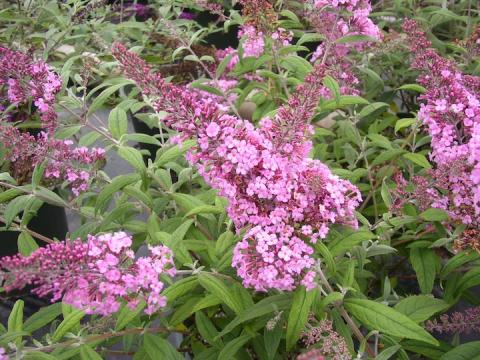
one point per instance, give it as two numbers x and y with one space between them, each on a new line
450 111
324 342
458 322
256 34
335 20
24 81
63 161
96 276
259 30
286 199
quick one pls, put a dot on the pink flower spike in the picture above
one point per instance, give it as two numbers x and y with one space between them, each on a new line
90 275
264 172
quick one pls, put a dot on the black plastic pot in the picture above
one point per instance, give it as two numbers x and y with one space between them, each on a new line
50 221
220 39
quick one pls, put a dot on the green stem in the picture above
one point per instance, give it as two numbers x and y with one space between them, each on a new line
36 235
351 324
102 337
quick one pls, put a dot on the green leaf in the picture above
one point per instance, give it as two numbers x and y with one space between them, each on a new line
348 277
387 198
457 261
371 109
173 152
89 138
135 192
302 301
187 201
413 87
179 234
9 194
26 244
469 279
197 35
192 305
207 330
142 138
424 263
231 348
427 350
204 209
37 355
68 323
355 38
380 141
264 307
310 37
10 336
433 214
468 351
187 308
87 353
348 241
177 51
180 288
374 82
296 64
418 159
290 15
117 184
222 66
30 210
49 197
206 88
345 100
159 348
207 58
15 207
15 319
38 174
126 315
420 307
243 295
330 298
441 242
400 221
5 176
132 156
67 131
332 84
104 95
220 290
388 352
326 256
224 242
272 338
386 156
42 317
376 316
67 309
117 122
403 123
